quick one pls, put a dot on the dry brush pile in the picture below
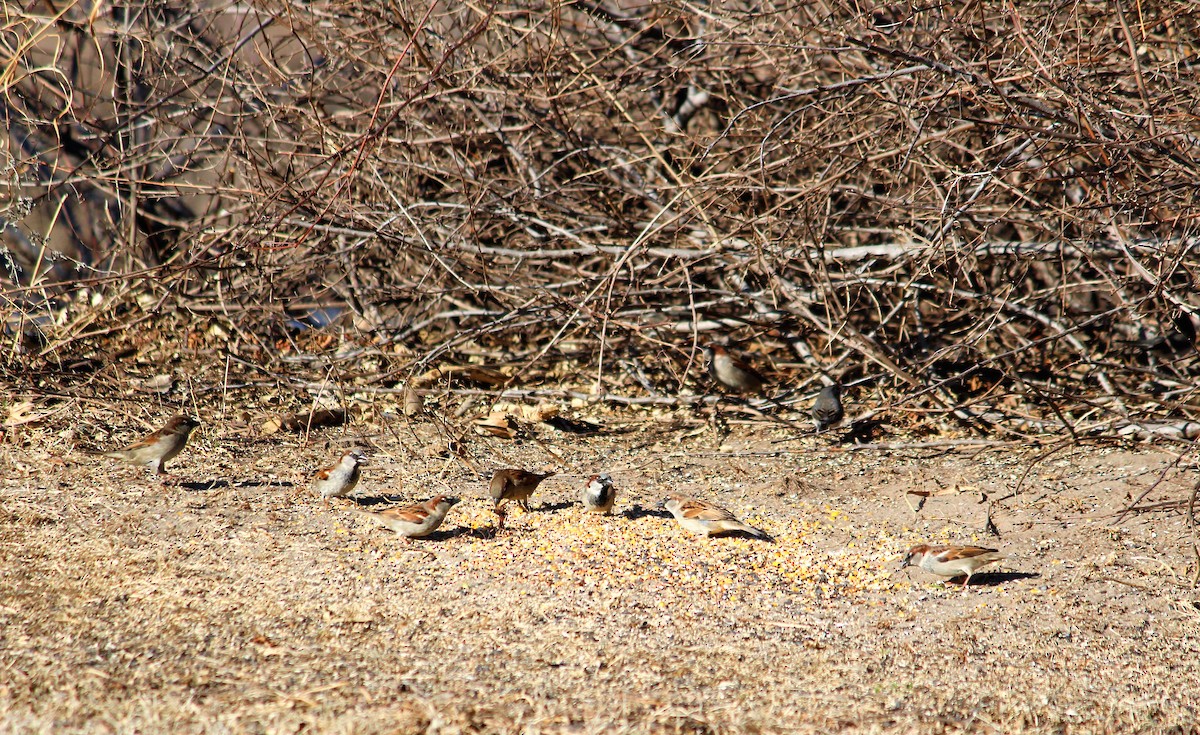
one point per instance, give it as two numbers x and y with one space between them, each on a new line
984 210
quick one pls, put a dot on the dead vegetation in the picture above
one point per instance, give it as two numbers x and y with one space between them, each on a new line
453 230
985 212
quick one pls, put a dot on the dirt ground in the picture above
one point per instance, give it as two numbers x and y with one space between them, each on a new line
236 602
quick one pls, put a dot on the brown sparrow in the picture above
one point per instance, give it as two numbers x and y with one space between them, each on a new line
155 449
339 479
515 485
827 410
599 495
951 561
732 373
413 521
706 519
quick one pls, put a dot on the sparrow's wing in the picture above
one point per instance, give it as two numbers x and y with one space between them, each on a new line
957 553
148 441
408 514
702 511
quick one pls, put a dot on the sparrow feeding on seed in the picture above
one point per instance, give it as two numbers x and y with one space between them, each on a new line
706 519
731 372
599 494
515 485
339 479
413 521
827 410
156 448
951 561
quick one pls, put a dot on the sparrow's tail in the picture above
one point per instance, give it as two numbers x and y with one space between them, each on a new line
104 453
759 533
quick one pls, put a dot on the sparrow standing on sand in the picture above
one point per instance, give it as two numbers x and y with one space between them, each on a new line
706 519
827 410
158 447
413 521
339 479
515 485
951 561
730 372
599 495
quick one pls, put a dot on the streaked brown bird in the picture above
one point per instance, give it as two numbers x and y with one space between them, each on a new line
705 519
951 561
413 521
732 373
511 484
157 448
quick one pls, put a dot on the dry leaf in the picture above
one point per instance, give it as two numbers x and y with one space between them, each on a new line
469 373
497 424
450 447
20 413
414 402
540 412
322 417
160 383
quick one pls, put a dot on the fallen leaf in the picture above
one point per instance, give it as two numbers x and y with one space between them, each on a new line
320 418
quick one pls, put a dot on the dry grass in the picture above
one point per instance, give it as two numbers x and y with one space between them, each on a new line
224 605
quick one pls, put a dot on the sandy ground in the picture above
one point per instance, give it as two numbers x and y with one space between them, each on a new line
235 602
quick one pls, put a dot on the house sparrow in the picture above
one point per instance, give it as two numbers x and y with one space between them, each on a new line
413 521
599 495
338 479
827 410
158 447
515 485
950 561
730 372
706 519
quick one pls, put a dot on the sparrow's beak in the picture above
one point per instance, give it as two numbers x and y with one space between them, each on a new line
904 564
453 501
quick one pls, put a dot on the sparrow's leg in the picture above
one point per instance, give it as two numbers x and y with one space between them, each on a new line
524 503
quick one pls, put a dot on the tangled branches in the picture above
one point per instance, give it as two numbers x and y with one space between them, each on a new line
984 206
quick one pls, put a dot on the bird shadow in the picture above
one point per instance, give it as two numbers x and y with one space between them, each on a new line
491 533
574 426
561 505
217 484
452 533
743 534
369 501
991 579
863 431
639 511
